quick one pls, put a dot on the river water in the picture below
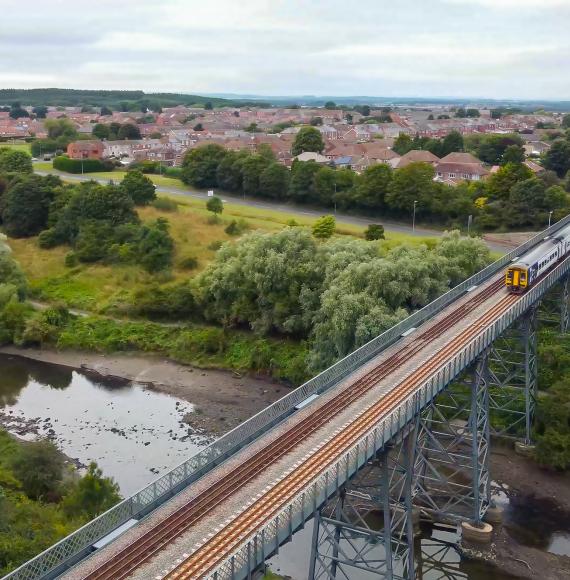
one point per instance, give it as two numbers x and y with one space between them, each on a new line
136 434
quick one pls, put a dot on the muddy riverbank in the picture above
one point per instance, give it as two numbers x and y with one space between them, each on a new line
534 539
221 399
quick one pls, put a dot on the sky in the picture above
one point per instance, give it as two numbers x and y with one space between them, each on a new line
417 48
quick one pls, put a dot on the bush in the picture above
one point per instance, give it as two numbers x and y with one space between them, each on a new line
175 172
174 302
374 232
48 239
80 165
215 245
237 227
165 204
188 263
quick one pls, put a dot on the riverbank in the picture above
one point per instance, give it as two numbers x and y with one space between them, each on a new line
521 542
221 399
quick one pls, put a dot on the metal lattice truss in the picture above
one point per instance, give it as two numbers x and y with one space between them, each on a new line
513 379
438 558
370 526
452 458
554 309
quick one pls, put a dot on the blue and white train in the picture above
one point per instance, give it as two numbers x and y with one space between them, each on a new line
523 273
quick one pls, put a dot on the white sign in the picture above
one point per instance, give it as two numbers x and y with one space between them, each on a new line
210 193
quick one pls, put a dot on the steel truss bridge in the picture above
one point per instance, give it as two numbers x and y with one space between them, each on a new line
400 426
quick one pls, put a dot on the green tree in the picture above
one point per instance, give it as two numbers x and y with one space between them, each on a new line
40 112
208 106
566 121
106 111
513 154
200 165
25 205
372 187
39 467
452 142
411 183
308 139
301 186
374 232
402 144
129 131
139 187
324 227
274 181
316 121
101 131
16 111
61 128
251 169
330 105
228 172
557 158
92 495
13 161
215 205
155 247
499 184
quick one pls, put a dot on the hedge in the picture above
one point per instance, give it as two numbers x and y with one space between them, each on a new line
79 165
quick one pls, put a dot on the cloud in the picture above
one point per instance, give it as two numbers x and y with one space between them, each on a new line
271 47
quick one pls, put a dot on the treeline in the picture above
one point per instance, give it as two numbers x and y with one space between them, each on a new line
117 100
43 500
513 197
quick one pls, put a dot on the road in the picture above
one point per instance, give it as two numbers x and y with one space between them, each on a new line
341 218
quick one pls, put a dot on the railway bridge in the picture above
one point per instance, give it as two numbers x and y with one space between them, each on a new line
400 427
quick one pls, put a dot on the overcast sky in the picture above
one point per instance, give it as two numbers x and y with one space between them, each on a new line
465 48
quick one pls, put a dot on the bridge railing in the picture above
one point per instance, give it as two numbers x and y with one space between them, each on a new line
72 548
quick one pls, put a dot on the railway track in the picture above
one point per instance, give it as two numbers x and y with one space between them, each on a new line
140 551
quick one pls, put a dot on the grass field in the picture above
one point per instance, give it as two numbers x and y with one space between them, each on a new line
17 146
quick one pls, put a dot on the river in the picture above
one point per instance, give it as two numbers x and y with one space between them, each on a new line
136 434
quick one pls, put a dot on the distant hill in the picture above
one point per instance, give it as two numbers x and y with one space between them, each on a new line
116 100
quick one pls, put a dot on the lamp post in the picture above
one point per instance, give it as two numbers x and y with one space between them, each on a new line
549 218
469 220
414 216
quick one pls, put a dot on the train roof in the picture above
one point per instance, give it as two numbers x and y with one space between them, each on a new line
545 246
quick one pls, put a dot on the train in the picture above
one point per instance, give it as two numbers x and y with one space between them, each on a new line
523 274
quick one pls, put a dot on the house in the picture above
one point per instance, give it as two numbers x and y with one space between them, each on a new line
417 156
85 150
536 147
457 167
311 156
534 167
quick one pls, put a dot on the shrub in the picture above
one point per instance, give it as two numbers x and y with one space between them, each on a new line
324 227
188 263
175 172
215 245
374 232
237 227
165 204
80 165
48 239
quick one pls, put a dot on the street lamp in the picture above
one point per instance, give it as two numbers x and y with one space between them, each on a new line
549 218
469 220
414 217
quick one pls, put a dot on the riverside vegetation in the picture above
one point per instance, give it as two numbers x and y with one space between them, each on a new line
287 302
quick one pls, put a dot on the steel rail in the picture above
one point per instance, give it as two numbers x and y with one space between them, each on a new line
154 540
206 557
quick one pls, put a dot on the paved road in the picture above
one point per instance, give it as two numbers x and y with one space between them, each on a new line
341 218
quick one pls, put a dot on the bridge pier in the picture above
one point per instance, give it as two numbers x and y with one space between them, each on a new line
369 525
513 379
452 460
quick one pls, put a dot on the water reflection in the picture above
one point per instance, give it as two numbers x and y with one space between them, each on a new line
133 433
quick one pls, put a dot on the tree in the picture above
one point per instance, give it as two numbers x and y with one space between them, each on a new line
251 168
324 227
461 113
411 183
155 246
301 185
308 139
200 165
374 232
61 128
372 186
16 111
274 181
557 158
472 113
40 112
452 142
39 467
129 131
198 127
566 121
499 184
13 161
513 154
264 150
92 495
105 111
330 105
25 205
402 144
139 187
430 117
316 121
208 106
567 182
228 172
215 205
101 131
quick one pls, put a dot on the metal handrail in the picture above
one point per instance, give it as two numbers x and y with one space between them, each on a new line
76 545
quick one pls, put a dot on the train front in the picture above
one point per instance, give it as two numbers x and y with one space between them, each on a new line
516 278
